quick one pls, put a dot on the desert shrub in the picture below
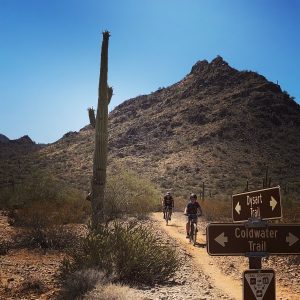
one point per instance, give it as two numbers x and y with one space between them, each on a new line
128 193
142 257
93 252
130 251
291 210
32 285
48 237
4 196
42 205
43 200
77 284
4 247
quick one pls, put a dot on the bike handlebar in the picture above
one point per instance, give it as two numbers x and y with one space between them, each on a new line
193 215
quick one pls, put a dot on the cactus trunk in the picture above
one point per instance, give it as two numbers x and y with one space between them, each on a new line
101 137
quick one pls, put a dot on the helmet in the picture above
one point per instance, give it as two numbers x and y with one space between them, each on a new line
168 194
193 196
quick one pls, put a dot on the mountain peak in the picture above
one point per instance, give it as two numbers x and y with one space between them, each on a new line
203 67
199 66
24 140
219 61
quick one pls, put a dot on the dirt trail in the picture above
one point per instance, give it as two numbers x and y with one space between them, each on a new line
230 285
176 229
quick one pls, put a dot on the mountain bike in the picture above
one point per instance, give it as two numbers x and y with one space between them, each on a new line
167 214
193 228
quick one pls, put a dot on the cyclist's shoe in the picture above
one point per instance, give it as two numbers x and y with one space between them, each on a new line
170 218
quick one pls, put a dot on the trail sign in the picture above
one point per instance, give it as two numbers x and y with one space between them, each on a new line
238 239
259 285
264 204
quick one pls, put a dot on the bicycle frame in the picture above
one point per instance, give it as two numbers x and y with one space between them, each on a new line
167 214
193 229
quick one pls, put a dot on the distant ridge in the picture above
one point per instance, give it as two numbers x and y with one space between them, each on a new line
23 140
3 138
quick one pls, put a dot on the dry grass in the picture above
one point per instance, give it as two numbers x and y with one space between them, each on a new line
216 210
213 210
77 284
112 292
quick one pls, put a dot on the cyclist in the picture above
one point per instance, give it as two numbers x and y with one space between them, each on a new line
192 209
168 203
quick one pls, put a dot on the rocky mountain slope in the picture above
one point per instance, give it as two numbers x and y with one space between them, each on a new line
13 155
217 125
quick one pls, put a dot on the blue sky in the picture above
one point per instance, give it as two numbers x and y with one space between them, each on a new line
50 52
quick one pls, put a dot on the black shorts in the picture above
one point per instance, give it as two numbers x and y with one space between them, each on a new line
191 217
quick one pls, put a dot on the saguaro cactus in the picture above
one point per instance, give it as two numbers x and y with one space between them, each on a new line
101 137
267 179
92 116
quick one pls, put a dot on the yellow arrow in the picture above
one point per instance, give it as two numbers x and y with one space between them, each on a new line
291 239
273 203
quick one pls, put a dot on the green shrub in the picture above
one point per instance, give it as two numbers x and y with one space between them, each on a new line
43 200
141 256
42 205
131 252
127 193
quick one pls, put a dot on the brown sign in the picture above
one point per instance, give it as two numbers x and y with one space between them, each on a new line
259 285
238 239
264 204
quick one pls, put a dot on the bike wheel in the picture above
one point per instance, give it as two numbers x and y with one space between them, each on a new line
195 235
191 232
167 217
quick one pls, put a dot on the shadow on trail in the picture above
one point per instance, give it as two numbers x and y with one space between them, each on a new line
200 245
174 225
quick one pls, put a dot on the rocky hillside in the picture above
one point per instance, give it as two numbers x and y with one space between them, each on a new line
217 125
13 155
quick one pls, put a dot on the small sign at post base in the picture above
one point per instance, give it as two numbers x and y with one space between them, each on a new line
259 285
